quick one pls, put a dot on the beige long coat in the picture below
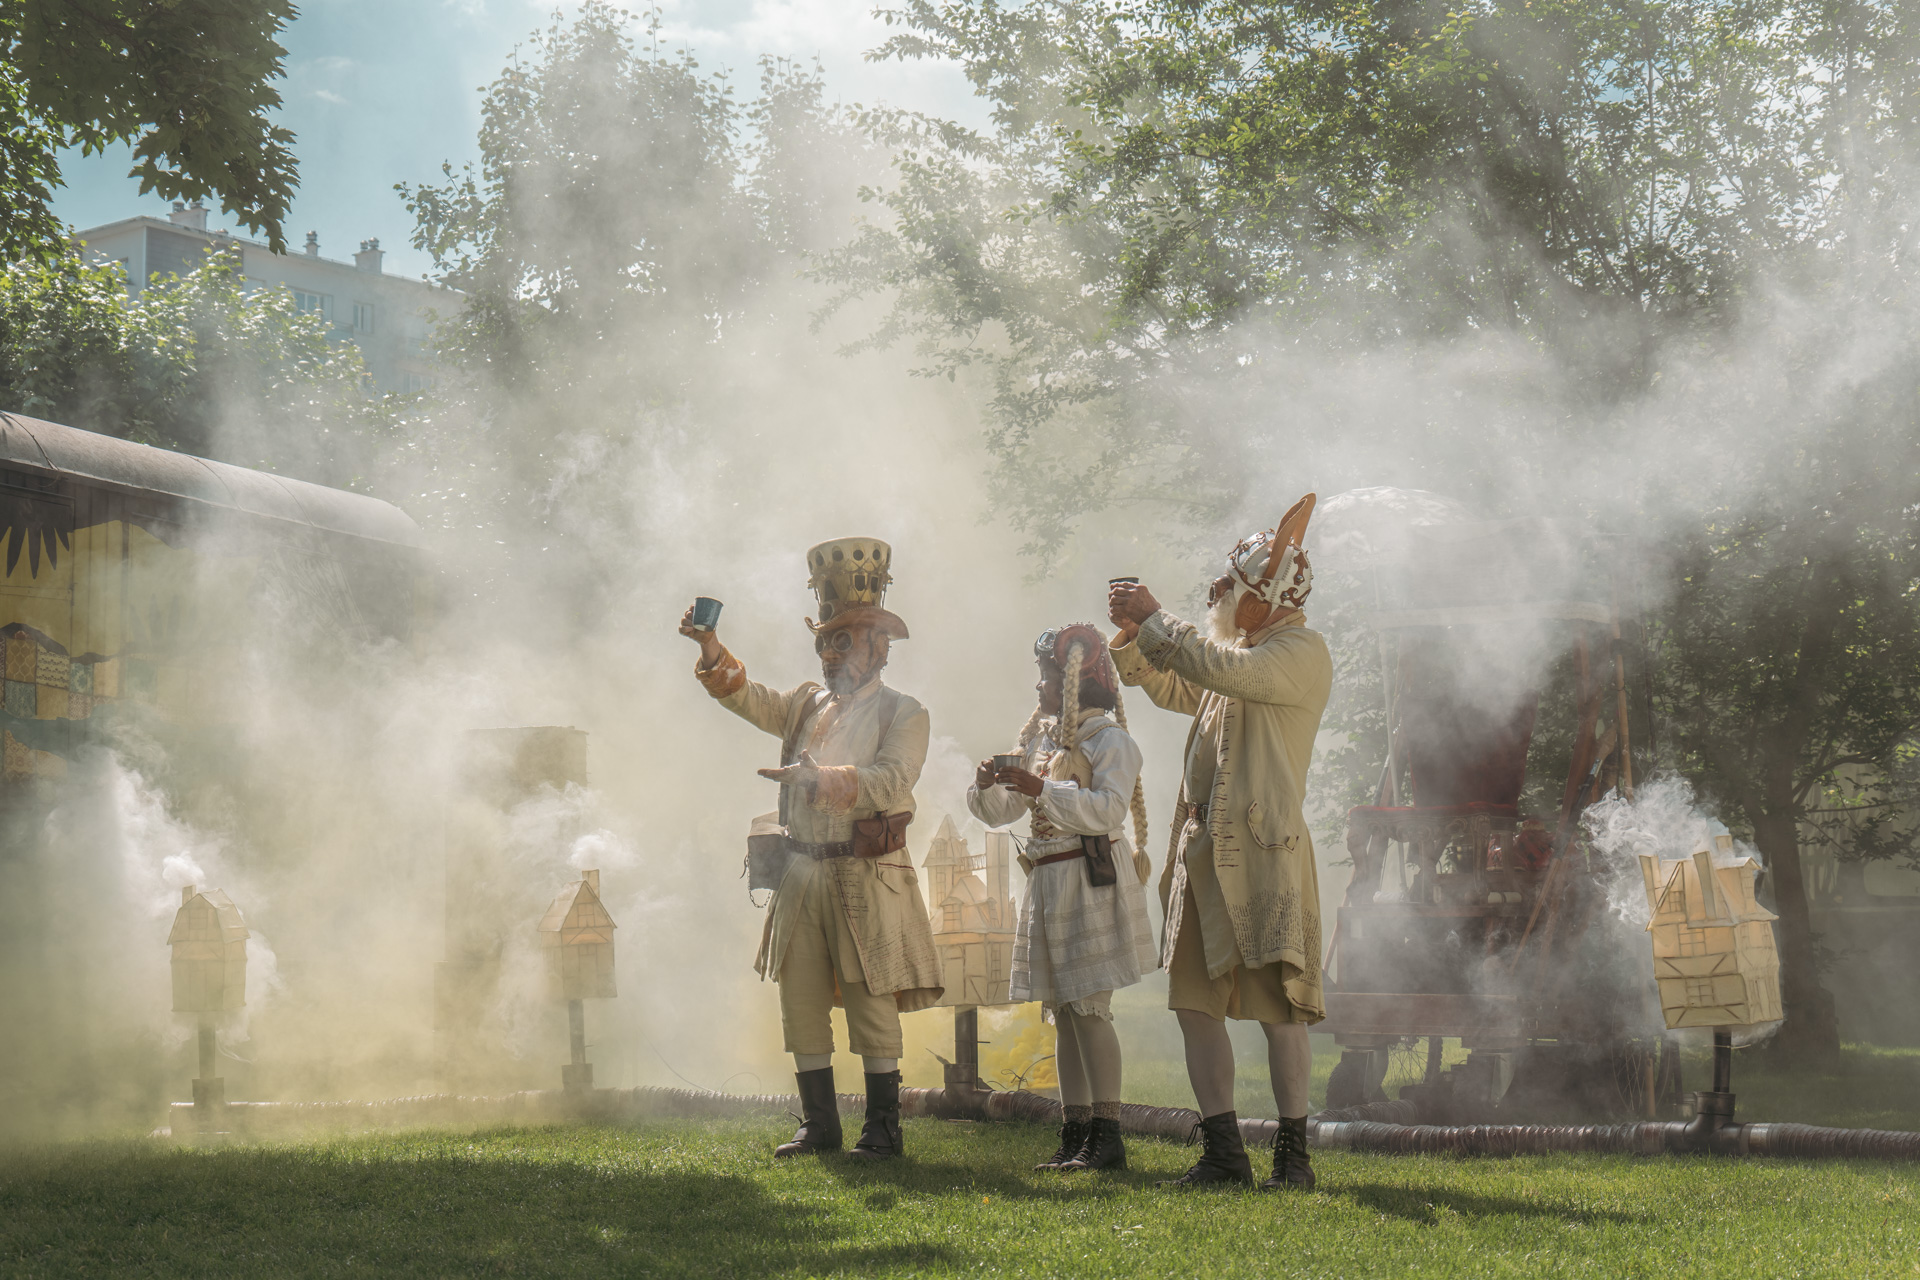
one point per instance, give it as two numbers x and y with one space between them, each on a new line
1263 697
866 775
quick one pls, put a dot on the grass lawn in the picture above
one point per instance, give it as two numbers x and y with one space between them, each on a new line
707 1199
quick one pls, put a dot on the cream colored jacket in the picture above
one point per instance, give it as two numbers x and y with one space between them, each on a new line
865 775
1271 688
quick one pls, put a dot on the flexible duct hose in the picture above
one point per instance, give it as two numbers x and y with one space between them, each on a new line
1378 1128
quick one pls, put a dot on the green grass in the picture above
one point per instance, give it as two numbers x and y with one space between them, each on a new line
707 1199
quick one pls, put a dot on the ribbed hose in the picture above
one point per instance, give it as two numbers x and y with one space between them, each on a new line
1377 1128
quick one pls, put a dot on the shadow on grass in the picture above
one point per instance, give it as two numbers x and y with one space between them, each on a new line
266 1212
1425 1205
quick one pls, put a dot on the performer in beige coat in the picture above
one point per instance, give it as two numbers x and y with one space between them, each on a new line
847 924
1240 892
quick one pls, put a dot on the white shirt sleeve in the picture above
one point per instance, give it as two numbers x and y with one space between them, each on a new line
996 806
1101 808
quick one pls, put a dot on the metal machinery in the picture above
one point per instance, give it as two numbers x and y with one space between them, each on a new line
1466 916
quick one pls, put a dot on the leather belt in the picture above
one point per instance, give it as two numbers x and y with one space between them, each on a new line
836 849
1196 813
1060 857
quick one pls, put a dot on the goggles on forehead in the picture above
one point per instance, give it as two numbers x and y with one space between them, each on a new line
1044 647
840 641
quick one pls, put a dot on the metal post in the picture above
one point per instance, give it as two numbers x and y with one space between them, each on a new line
577 1075
209 1090
206 1047
963 1073
1722 1060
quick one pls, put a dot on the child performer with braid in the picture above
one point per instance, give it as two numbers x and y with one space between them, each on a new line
1083 920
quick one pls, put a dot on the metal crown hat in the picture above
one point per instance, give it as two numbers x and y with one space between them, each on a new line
849 577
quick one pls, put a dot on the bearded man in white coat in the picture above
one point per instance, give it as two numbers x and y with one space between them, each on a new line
1240 890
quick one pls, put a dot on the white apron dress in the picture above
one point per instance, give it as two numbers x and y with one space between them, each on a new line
1073 940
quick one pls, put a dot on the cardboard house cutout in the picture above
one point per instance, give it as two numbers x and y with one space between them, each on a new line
577 935
972 914
209 941
1714 956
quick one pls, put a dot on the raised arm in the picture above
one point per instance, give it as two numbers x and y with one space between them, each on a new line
725 677
1290 668
1165 688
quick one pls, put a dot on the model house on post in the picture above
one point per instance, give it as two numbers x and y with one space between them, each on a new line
209 941
1714 956
577 935
973 916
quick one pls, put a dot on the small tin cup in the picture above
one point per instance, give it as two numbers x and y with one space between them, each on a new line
706 613
1122 582
1006 762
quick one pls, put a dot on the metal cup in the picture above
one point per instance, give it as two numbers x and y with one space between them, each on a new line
1006 762
706 613
1122 582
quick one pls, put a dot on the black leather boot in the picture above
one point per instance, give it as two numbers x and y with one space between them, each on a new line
1073 1136
1292 1167
1223 1159
819 1116
880 1137
1104 1149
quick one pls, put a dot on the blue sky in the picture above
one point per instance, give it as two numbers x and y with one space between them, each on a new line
383 91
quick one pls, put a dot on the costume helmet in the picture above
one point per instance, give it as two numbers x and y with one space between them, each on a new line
849 578
1272 565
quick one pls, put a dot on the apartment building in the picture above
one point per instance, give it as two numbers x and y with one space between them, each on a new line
389 317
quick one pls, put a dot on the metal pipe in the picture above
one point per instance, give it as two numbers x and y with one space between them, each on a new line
207 1059
577 1031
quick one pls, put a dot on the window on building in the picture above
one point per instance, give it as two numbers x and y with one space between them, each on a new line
320 304
363 317
419 382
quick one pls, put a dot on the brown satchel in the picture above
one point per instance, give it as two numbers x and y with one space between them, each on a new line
887 833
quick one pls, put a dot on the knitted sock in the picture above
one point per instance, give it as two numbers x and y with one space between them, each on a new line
1106 1111
1077 1114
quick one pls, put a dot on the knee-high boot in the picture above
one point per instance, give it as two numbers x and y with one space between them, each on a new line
880 1137
819 1116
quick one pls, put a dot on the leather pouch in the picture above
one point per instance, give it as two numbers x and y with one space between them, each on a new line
1100 869
884 834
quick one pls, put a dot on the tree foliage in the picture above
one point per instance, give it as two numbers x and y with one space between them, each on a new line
1202 234
630 238
201 363
188 83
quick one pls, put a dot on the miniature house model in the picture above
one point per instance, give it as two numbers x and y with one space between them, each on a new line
209 941
1713 949
577 935
973 916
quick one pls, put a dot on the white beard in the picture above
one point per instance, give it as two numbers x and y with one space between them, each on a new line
1220 617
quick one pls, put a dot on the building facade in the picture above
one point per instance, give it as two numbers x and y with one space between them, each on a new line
390 318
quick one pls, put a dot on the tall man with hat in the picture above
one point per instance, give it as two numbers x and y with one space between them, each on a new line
847 924
1240 892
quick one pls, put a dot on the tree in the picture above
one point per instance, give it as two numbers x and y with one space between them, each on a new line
189 83
198 363
630 240
1200 235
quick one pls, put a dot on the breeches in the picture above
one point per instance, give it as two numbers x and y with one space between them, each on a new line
821 957
1241 993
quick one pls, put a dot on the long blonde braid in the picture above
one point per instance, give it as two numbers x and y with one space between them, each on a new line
1139 786
1070 698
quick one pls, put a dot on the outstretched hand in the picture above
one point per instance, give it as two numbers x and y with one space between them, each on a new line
804 772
